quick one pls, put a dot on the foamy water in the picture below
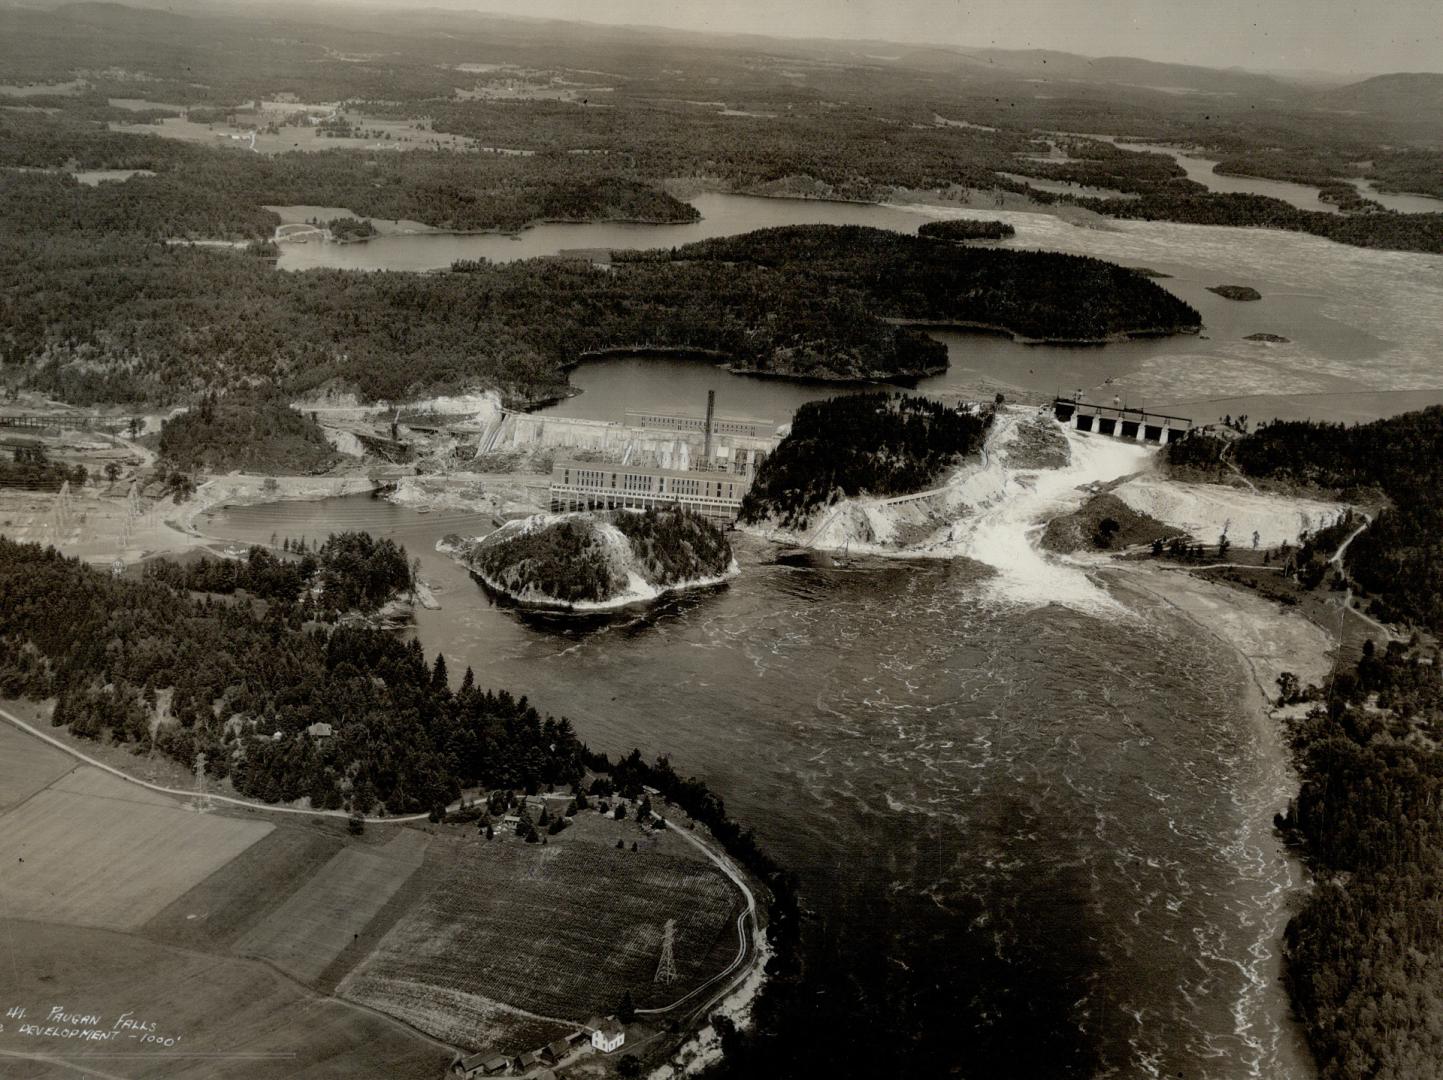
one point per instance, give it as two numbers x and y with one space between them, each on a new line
1011 505
1049 825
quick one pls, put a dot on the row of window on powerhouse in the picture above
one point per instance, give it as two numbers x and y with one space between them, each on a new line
649 483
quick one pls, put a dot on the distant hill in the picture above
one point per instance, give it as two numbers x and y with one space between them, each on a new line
1413 97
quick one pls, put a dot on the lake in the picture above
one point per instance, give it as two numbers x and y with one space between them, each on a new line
1363 338
722 215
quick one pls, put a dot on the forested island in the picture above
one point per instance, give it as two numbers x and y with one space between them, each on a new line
864 444
1398 560
598 560
959 229
245 687
811 301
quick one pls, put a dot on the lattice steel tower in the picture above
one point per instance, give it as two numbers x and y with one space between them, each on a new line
666 967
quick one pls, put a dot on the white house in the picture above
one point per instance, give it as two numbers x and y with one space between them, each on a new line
607 1035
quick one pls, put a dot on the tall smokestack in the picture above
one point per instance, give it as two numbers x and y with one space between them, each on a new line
710 412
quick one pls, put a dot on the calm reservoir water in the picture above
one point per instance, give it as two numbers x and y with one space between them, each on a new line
1361 328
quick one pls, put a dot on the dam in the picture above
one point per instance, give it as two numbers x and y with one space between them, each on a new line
1120 422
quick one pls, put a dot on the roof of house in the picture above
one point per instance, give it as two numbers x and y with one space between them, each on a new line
611 1027
495 1061
472 1061
594 1024
559 1047
527 1059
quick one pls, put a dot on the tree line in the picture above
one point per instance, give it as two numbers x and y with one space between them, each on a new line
350 571
246 685
1361 952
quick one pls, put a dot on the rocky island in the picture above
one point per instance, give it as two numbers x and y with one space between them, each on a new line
595 561
1236 292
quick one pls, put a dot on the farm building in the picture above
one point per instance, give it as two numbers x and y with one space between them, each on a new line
555 1051
527 1061
479 1065
608 1036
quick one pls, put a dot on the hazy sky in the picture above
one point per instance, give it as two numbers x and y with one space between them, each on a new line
1334 35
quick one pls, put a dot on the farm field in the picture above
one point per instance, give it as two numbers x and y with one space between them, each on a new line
233 1019
304 935
218 910
90 854
559 930
26 766
393 135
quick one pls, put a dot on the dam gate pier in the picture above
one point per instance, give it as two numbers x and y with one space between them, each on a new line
1136 425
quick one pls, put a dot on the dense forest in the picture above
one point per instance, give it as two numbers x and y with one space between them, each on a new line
350 571
572 560
244 686
963 229
865 444
246 431
1387 230
1398 560
112 320
1362 952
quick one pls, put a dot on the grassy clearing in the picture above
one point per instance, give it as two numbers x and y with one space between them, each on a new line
559 930
242 1020
26 766
304 935
97 861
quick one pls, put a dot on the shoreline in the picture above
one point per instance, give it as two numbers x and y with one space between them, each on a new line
1266 639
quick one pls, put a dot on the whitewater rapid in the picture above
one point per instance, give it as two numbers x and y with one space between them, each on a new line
1009 506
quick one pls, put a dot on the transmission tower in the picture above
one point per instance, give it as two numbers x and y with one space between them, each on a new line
202 795
132 510
666 967
60 515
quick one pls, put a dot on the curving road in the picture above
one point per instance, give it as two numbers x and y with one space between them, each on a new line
30 729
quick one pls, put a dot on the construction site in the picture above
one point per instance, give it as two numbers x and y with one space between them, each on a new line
109 499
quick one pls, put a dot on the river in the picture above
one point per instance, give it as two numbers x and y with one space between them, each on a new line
1038 819
1047 825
